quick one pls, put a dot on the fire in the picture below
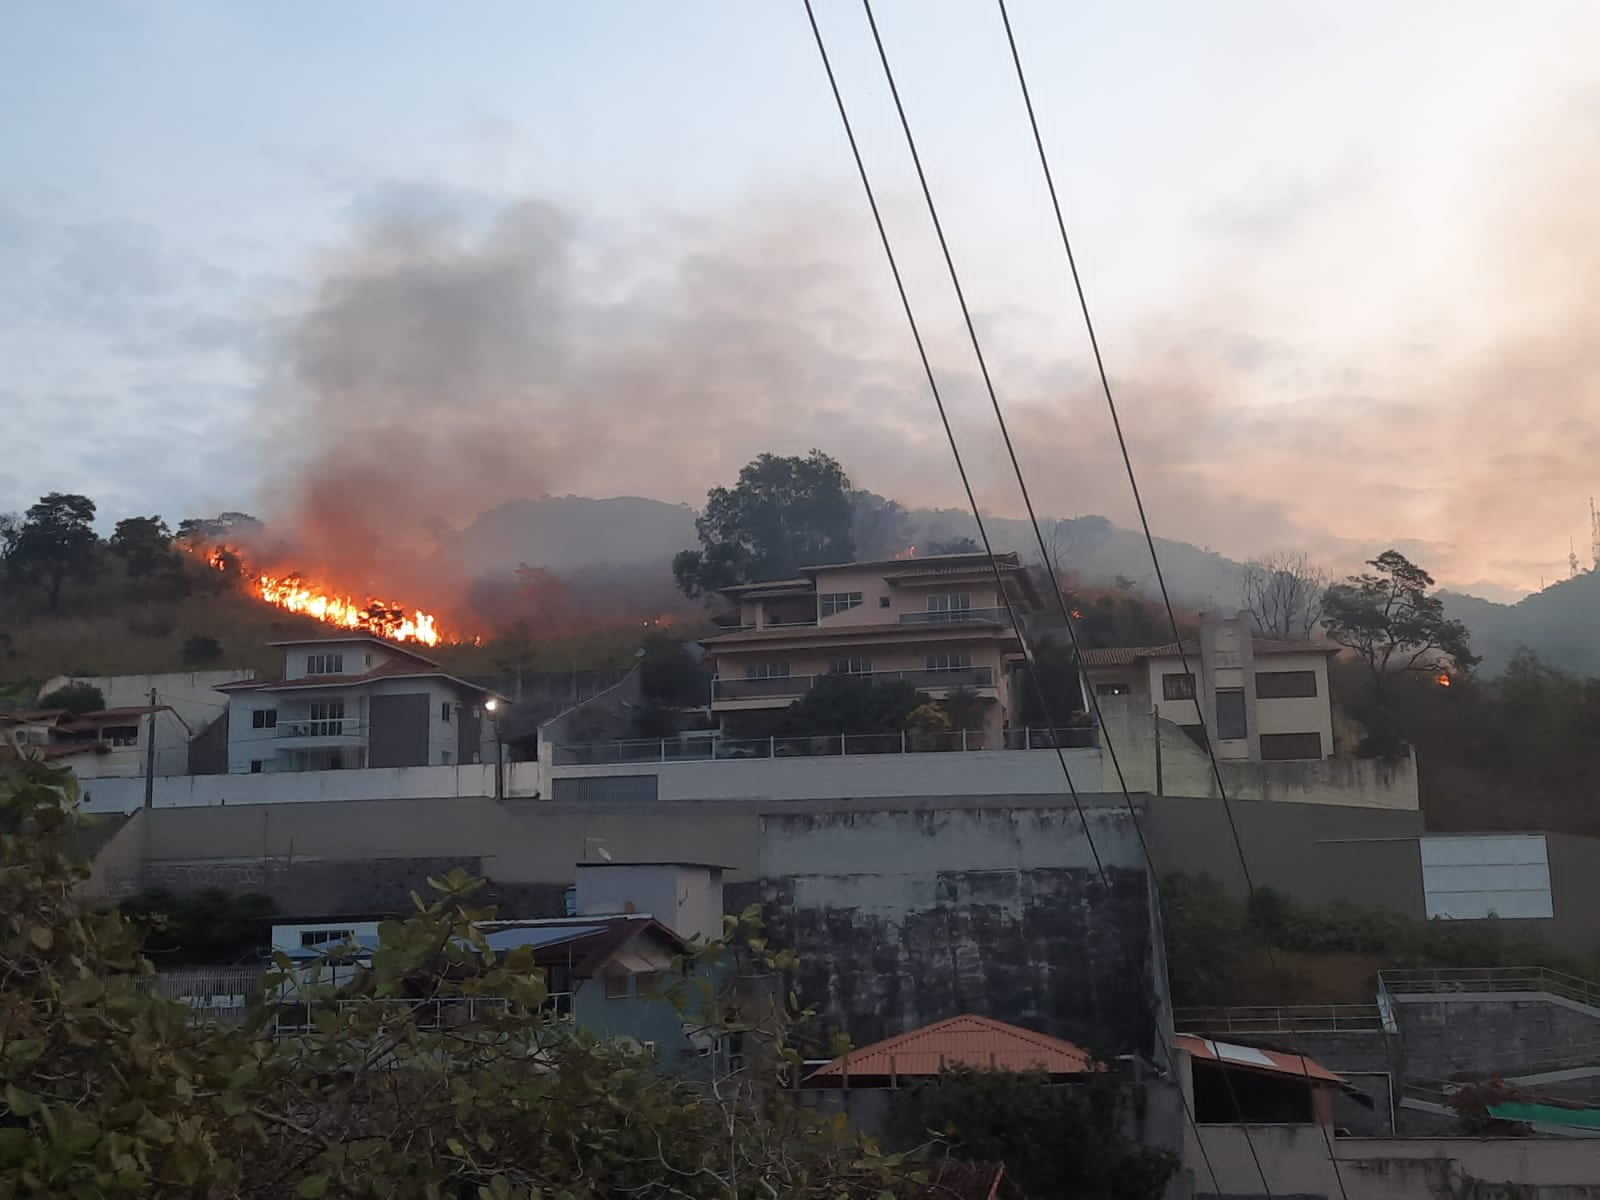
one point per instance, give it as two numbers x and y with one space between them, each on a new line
1442 679
297 595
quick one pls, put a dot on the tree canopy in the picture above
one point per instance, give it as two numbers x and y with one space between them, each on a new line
851 704
1283 594
144 544
75 697
781 515
55 541
1387 617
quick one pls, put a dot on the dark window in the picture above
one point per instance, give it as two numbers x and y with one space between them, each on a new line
327 718
949 662
325 664
838 602
1177 686
264 718
1291 745
883 602
120 735
646 982
1285 685
1230 716
851 666
616 983
444 712
767 671
324 937
255 766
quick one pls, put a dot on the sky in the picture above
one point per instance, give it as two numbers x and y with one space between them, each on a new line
372 265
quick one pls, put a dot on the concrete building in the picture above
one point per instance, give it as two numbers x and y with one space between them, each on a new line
112 743
1260 700
195 696
938 623
356 702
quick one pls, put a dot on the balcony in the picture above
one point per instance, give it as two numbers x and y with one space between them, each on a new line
792 687
832 745
323 731
958 616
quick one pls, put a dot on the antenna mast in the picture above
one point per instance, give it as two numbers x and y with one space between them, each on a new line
1594 533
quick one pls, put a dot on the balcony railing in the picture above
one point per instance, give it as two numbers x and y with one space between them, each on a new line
322 727
988 616
799 685
1287 1018
829 745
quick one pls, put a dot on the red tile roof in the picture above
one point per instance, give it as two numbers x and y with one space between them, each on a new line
1250 1058
965 1041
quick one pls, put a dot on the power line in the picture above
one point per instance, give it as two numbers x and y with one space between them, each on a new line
977 516
1138 499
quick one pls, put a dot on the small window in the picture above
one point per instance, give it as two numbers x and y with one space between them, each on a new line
1285 685
851 666
646 982
255 766
444 712
327 718
949 662
120 735
616 983
1291 745
1177 686
767 671
1231 725
264 718
325 937
838 602
883 602
446 758
325 664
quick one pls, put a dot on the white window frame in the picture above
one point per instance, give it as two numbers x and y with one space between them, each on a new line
832 603
1469 878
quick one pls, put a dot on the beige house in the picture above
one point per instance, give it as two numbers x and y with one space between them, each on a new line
1259 699
938 623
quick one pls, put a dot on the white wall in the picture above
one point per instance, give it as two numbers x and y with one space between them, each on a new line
190 694
172 752
303 787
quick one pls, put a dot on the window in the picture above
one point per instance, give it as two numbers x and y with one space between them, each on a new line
646 982
767 671
325 937
1285 685
949 662
883 602
325 664
327 718
838 602
120 735
1291 745
950 607
851 666
1177 686
264 718
445 758
1230 715
255 766
616 983
444 712
1471 878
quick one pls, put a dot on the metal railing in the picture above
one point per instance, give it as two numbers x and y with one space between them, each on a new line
1283 1018
439 1012
784 686
986 616
1444 980
321 727
827 745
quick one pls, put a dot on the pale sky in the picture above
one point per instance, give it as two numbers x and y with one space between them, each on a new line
1342 257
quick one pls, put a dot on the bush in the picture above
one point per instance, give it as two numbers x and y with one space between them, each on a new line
201 649
207 927
75 698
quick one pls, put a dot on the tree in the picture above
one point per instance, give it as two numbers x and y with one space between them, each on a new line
224 529
1283 593
669 674
879 527
783 514
1387 617
109 1090
75 698
955 545
1055 671
55 541
144 544
201 649
852 704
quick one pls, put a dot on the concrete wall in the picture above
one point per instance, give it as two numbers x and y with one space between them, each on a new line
1295 1161
1500 1034
310 787
190 694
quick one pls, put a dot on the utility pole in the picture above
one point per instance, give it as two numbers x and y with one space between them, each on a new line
150 755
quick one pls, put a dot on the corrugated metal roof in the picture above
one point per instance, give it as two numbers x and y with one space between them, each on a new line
1251 1058
965 1041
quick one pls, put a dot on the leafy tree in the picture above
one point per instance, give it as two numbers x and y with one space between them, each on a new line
783 514
965 709
75 698
1054 1140
1055 669
1387 617
1284 594
223 529
209 926
669 673
956 545
201 649
55 541
144 544
879 527
851 704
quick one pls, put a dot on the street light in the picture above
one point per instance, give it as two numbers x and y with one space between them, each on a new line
492 707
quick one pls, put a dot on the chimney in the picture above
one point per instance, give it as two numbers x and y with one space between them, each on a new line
685 897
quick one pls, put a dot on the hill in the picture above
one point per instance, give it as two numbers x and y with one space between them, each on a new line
1560 624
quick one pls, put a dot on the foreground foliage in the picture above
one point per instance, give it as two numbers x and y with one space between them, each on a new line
106 1090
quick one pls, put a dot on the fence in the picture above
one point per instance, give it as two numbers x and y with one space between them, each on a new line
1290 1018
1444 980
438 1012
688 748
763 687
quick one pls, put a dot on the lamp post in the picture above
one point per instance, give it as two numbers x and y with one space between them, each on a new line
492 707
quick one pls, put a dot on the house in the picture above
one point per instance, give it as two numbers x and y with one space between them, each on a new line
1231 1083
112 743
353 702
193 695
1260 700
965 1041
939 623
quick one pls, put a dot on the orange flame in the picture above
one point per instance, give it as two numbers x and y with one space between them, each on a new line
295 594
1442 679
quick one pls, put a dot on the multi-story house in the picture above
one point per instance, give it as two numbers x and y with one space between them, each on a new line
113 743
938 623
1259 699
356 702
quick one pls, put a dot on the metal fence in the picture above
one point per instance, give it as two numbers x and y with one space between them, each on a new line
688 748
1443 980
1286 1018
798 685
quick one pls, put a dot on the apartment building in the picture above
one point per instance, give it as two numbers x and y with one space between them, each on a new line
938 623
1260 700
355 702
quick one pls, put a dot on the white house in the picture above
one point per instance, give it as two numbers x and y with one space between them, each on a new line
193 695
112 743
355 702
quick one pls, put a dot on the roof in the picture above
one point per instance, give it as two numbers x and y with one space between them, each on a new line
33 716
1545 1112
1121 656
965 1041
389 670
927 564
356 637
943 631
1250 1058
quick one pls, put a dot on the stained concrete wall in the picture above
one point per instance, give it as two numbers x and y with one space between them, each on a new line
1500 1033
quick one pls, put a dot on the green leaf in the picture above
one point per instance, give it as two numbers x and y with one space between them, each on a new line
24 1104
312 1187
41 936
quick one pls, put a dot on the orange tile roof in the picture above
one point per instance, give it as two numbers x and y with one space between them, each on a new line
1252 1058
965 1041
